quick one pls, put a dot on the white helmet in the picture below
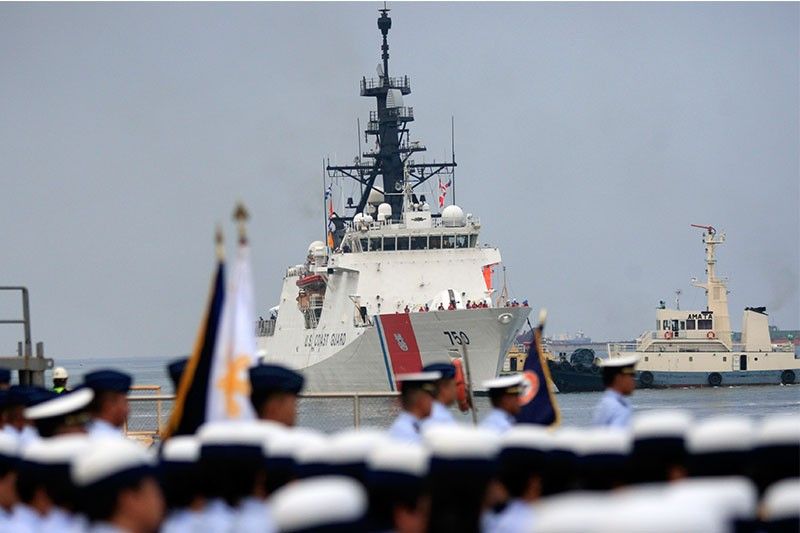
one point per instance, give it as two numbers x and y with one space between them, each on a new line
60 372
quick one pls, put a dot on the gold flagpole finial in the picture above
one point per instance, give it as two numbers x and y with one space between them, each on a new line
240 216
219 243
542 317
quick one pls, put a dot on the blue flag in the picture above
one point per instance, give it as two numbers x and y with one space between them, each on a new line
538 402
189 412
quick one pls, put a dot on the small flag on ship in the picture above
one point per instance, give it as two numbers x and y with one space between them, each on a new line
443 187
538 402
235 350
189 411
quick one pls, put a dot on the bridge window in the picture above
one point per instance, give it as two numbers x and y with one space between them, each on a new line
402 243
435 242
665 324
364 245
448 241
683 325
704 324
389 244
473 240
419 243
375 244
462 241
690 324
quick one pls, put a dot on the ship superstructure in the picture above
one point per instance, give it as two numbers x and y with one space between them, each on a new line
396 285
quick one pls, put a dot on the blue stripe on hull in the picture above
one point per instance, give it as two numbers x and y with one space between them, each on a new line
695 379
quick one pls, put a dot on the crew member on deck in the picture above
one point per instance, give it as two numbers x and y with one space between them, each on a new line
109 408
504 394
619 379
273 393
416 397
445 394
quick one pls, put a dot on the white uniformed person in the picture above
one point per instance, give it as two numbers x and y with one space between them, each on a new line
504 394
109 409
416 397
445 394
619 379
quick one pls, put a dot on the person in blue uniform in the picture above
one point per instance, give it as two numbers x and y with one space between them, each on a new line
416 397
273 393
5 379
63 414
619 379
109 408
445 394
504 395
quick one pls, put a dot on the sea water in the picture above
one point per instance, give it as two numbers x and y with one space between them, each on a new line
576 408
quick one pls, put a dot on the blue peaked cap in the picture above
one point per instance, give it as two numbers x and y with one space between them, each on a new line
108 380
176 369
447 370
266 378
5 375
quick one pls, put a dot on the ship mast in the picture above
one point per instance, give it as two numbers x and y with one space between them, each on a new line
716 289
391 155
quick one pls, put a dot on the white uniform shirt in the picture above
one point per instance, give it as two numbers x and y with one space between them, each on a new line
24 520
498 421
613 410
406 428
101 428
440 414
183 521
254 516
218 516
516 517
63 522
105 527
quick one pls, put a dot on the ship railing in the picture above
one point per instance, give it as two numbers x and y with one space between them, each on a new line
325 411
400 82
394 113
617 347
265 328
436 222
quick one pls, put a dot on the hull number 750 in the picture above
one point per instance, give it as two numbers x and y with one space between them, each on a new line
456 337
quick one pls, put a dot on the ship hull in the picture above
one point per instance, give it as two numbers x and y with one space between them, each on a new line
571 379
402 342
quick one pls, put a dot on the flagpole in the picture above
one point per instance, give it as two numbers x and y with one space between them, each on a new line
465 356
240 215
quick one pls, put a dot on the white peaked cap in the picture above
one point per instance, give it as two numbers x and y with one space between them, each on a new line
503 382
661 423
290 443
315 502
401 457
605 440
732 497
722 433
419 376
107 457
527 436
181 449
62 449
619 362
355 445
568 512
782 499
461 442
631 513
779 430
61 405
238 432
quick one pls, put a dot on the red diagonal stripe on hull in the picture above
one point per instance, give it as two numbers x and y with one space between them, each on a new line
401 343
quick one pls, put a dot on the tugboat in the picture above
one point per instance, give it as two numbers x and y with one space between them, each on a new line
578 373
695 348
394 285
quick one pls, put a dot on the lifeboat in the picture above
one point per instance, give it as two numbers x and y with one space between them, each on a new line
311 282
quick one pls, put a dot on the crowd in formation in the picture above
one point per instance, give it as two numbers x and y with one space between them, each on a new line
65 465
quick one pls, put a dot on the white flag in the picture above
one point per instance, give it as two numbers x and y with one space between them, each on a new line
235 350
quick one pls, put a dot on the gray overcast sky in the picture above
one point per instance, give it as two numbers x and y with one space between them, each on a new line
588 137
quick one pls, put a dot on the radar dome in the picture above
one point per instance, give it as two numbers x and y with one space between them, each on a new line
315 246
453 216
384 212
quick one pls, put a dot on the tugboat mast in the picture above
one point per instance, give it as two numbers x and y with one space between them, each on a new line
393 149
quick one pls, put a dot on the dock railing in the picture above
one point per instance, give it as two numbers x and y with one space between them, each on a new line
324 411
